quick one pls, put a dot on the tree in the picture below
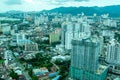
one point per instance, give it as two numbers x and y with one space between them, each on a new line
12 47
13 74
22 60
32 75
30 72
35 78
0 58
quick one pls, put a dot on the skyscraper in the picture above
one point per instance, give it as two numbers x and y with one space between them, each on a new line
113 52
113 56
72 30
84 60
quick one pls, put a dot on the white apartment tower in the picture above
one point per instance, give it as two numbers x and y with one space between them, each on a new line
113 56
113 52
72 30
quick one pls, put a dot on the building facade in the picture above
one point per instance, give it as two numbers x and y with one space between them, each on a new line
72 30
84 60
113 56
113 52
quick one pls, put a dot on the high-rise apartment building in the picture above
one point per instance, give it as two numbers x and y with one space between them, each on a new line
20 39
113 56
84 60
113 52
67 35
73 30
40 20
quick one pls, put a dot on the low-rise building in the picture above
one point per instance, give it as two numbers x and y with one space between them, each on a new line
41 71
31 47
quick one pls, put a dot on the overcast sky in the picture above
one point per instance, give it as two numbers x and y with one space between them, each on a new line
38 5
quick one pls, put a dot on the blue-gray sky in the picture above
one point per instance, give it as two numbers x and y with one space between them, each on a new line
38 5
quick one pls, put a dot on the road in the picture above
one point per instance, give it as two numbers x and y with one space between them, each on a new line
55 66
25 73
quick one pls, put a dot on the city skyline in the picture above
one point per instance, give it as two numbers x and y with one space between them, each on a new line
66 43
38 5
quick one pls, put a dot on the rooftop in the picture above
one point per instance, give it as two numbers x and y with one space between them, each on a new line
101 69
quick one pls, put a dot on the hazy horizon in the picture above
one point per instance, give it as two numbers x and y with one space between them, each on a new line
39 5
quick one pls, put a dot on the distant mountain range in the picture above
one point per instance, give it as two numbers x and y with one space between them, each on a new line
114 11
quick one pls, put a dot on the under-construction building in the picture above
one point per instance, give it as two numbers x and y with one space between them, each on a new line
84 60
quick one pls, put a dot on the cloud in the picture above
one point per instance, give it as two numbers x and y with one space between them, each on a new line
13 2
53 2
81 0
70 0
63 2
